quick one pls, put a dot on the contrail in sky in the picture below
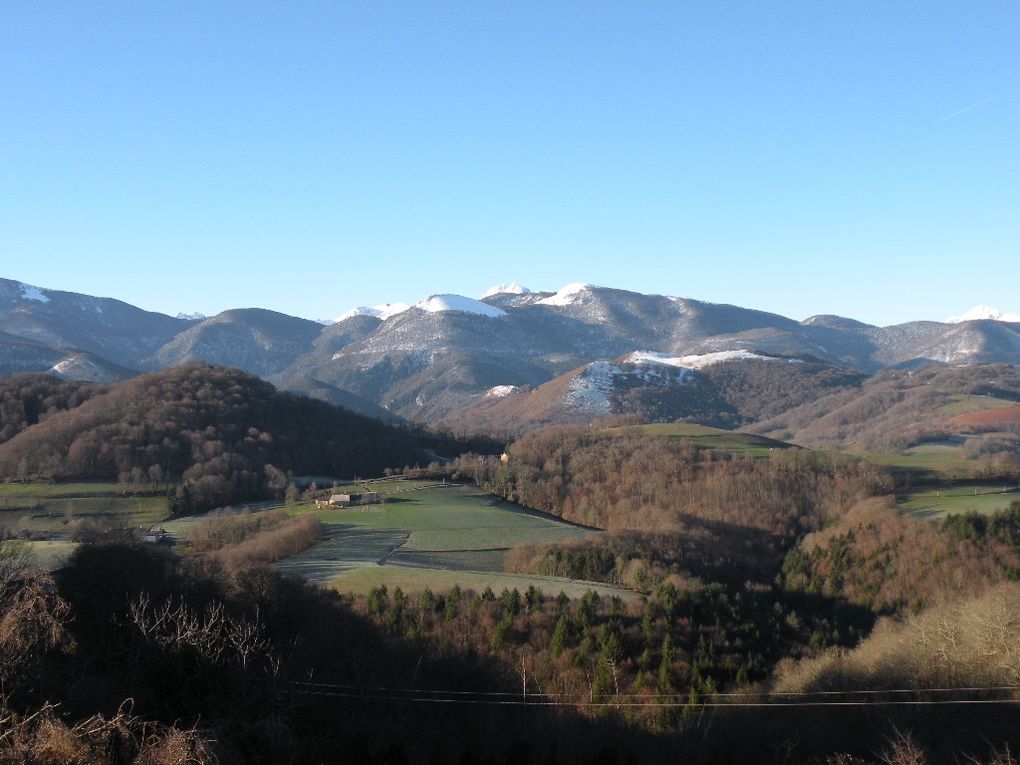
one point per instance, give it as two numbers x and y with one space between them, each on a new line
974 106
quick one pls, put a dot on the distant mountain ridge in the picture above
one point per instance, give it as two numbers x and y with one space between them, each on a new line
443 355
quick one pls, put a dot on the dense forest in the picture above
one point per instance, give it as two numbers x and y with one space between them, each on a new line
221 435
878 558
613 480
28 399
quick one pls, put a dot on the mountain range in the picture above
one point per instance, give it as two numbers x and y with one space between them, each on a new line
579 352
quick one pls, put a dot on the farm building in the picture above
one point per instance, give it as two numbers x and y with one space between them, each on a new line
347 500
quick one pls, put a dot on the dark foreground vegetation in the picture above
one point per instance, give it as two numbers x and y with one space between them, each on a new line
134 654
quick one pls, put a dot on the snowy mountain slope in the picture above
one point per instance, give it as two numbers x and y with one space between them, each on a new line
434 358
109 328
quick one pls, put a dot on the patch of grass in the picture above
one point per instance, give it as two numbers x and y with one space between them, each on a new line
425 535
361 580
42 490
933 461
964 404
55 516
980 498
50 556
455 518
732 441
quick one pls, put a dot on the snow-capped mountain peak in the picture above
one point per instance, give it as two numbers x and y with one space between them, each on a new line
567 295
443 303
979 312
382 311
510 288
196 316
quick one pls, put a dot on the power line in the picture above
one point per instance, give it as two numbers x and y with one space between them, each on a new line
523 702
718 695
722 700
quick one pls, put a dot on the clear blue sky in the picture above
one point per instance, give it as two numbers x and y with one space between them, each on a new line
801 157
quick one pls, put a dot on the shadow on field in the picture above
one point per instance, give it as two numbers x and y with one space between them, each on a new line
391 500
345 547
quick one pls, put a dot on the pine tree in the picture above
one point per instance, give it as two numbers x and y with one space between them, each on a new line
560 636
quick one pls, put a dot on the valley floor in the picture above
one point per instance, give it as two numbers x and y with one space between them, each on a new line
432 535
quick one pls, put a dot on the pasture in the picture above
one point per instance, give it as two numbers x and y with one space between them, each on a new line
41 509
965 404
705 437
926 461
974 497
429 535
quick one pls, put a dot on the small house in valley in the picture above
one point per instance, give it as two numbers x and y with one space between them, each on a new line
348 500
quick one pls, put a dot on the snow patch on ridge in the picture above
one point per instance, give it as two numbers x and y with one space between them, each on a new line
443 303
590 390
510 288
28 292
979 312
568 295
500 391
383 311
696 361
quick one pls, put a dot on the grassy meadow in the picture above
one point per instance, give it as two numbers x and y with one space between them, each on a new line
974 497
54 508
731 441
429 535
965 404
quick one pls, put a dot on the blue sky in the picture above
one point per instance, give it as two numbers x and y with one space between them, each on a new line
798 157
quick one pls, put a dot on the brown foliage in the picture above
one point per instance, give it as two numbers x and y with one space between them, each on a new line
28 399
880 558
42 738
215 429
224 527
278 542
892 410
621 481
967 643
32 615
642 560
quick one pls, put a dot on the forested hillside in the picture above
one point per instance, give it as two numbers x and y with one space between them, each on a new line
614 480
897 409
27 399
222 434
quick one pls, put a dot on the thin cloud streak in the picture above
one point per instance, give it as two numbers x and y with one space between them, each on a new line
974 106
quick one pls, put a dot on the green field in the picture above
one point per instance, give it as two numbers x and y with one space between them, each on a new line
980 498
927 461
428 535
734 442
50 555
964 404
53 508
410 579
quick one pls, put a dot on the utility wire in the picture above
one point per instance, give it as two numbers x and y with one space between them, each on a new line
522 702
733 695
